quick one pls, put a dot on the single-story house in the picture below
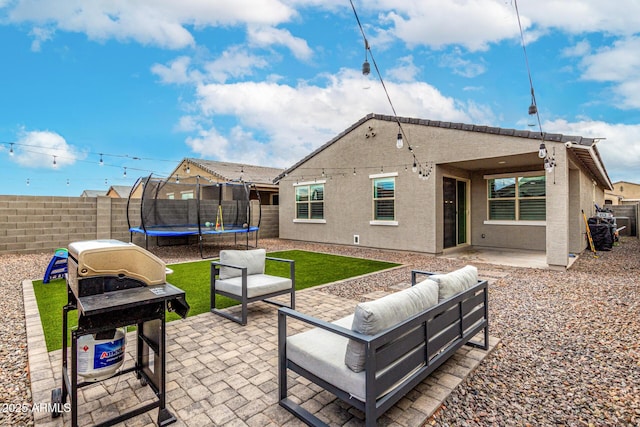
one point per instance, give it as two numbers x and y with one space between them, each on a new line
472 186
93 193
623 193
119 191
260 177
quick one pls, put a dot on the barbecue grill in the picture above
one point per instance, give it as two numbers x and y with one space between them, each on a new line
113 284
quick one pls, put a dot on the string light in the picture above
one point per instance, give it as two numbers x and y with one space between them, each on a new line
542 151
55 164
101 161
177 179
399 141
549 163
28 182
366 67
124 175
11 153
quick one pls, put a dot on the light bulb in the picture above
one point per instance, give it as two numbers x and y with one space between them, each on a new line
542 152
366 68
11 153
399 141
414 168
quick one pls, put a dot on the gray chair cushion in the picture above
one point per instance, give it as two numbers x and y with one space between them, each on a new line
373 317
253 259
457 281
257 285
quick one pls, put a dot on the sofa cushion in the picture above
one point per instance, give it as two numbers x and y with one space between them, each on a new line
253 259
257 285
373 317
455 282
322 353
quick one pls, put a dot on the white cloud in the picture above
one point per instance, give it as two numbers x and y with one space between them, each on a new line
234 62
580 49
406 71
37 149
149 22
40 35
617 64
320 113
177 72
461 66
268 36
620 150
621 17
473 24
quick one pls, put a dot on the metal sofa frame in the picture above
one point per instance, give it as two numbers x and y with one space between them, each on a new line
425 340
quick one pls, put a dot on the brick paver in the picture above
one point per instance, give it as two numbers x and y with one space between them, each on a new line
220 373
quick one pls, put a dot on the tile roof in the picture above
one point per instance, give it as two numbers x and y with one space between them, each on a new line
238 171
122 190
580 141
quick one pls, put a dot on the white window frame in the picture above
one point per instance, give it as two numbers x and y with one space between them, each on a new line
540 223
383 222
308 220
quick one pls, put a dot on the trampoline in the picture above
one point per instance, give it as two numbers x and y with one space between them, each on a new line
196 208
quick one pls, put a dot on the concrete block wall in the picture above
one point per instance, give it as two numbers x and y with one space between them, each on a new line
31 224
35 224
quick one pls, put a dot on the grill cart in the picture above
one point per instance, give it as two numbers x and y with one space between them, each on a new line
112 285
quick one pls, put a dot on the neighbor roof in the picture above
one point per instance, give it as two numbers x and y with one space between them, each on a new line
589 157
93 193
121 190
238 171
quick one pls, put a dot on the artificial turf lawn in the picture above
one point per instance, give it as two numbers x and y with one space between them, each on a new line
312 269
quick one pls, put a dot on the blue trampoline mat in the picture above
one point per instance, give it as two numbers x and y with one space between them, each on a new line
188 230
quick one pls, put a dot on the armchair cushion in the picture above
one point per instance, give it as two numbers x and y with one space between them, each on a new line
253 259
455 282
257 285
372 317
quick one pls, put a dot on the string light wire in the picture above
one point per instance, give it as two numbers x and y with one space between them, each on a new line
384 86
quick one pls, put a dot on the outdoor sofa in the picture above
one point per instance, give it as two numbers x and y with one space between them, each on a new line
373 357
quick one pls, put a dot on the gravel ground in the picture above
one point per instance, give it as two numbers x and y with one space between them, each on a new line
569 352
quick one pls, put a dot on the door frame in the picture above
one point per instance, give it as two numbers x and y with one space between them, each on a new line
467 216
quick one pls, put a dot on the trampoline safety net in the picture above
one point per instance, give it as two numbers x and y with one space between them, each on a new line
199 207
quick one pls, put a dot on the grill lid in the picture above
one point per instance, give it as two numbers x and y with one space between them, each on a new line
109 257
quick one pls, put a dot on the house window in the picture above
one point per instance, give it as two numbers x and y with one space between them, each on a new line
186 195
384 199
310 201
517 198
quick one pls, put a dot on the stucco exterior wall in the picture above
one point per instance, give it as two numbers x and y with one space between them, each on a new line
348 204
532 237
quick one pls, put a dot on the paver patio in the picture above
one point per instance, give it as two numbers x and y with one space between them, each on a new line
221 373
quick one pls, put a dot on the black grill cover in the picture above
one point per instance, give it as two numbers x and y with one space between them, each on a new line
602 235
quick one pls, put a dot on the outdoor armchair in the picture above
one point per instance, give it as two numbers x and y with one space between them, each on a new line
240 275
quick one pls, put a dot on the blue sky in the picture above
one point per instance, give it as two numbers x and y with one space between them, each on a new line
144 84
